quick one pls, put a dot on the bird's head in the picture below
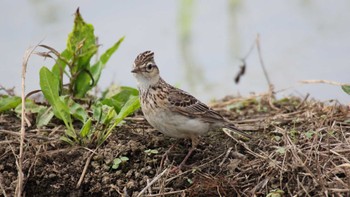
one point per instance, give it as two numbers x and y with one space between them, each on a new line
145 69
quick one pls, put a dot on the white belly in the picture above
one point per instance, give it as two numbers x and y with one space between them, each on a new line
177 126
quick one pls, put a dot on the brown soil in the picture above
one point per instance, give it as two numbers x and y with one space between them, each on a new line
300 148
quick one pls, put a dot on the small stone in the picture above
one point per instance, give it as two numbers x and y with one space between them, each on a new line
52 175
105 180
129 174
95 164
131 184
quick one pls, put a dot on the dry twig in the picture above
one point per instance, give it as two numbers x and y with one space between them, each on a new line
23 117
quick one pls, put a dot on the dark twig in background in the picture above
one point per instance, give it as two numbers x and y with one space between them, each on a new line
261 61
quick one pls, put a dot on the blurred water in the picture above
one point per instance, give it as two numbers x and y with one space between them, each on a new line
197 44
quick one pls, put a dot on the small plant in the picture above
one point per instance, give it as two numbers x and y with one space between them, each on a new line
75 63
151 151
67 101
275 193
8 102
309 134
119 161
281 150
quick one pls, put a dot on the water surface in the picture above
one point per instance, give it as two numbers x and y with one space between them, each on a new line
197 44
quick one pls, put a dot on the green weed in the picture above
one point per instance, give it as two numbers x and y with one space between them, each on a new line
67 101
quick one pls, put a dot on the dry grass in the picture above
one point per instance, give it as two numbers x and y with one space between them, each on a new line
301 148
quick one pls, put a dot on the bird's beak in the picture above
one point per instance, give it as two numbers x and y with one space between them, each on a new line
135 70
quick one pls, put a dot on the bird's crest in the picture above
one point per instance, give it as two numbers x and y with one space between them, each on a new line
144 57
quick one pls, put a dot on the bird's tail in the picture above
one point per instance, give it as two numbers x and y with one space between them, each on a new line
237 130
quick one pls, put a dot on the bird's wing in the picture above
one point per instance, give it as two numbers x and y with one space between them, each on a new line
186 104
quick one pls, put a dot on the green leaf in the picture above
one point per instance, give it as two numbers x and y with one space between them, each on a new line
151 151
49 84
83 83
346 88
84 80
81 42
76 110
111 115
97 111
66 139
85 131
44 117
130 106
103 113
121 98
118 161
9 102
309 134
124 158
275 193
31 107
71 133
281 150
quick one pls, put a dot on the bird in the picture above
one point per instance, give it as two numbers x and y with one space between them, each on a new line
173 111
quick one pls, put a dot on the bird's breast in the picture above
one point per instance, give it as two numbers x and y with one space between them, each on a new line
156 111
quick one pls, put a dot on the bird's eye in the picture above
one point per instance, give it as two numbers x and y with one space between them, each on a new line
149 67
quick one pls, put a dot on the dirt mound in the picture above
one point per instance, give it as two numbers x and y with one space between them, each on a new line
300 147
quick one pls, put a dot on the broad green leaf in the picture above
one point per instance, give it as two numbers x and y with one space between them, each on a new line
9 102
71 133
83 84
111 115
346 88
31 107
61 108
85 131
97 111
44 117
81 43
84 81
103 113
76 110
119 100
49 84
130 106
66 139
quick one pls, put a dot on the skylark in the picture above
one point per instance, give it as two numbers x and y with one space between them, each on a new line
172 111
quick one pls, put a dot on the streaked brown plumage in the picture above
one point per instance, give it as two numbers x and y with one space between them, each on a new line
173 111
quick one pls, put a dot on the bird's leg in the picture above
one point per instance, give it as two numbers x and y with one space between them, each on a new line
195 141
